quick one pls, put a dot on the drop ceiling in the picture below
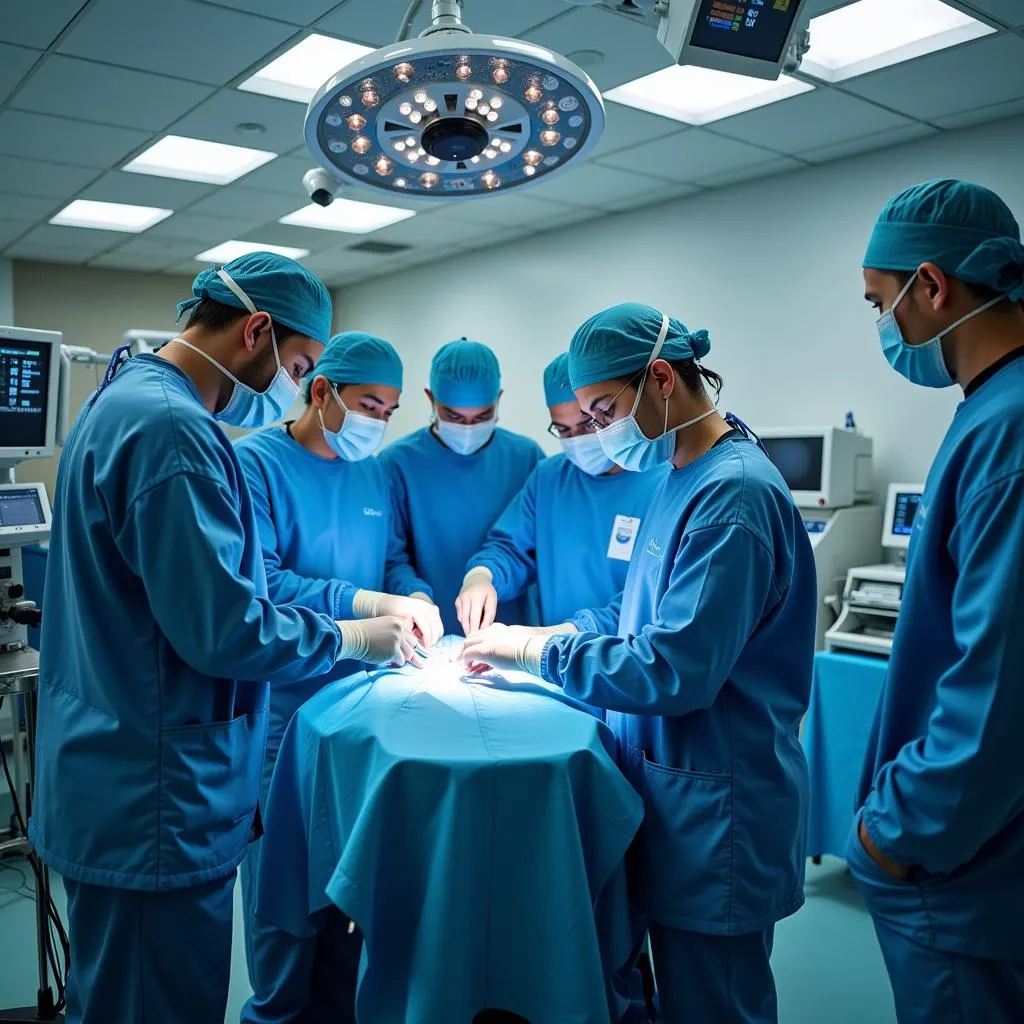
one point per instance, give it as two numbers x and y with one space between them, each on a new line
86 86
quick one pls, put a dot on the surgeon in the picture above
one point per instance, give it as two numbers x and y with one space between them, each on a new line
454 478
158 644
938 846
703 665
328 530
571 529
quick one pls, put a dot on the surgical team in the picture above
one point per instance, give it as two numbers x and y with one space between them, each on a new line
199 591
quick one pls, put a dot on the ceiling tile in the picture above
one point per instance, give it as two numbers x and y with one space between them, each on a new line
295 12
216 120
1010 12
42 137
27 208
868 143
768 169
296 237
34 23
627 50
200 228
84 239
15 62
10 230
376 22
435 230
244 204
146 190
281 175
182 38
511 211
635 200
339 260
977 74
82 89
187 268
170 250
35 178
45 253
996 112
627 127
119 261
815 119
596 186
689 156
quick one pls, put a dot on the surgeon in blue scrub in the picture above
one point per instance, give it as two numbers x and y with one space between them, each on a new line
703 665
158 644
454 478
938 847
571 529
328 529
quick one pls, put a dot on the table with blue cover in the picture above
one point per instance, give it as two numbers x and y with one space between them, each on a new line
844 696
473 828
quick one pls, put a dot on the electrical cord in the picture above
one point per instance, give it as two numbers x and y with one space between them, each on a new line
410 14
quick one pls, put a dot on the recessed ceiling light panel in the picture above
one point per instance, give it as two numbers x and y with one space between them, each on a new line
347 215
228 251
88 213
215 163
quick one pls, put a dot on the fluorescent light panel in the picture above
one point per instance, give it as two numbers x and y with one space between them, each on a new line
699 96
348 215
175 156
228 251
88 213
299 72
872 34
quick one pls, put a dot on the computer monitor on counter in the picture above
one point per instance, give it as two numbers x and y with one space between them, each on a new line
901 509
824 467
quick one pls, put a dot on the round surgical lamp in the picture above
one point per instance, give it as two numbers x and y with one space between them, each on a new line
454 114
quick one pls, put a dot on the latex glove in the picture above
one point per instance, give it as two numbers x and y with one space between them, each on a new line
504 647
477 603
386 640
425 617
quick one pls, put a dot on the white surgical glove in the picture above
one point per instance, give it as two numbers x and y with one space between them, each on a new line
477 603
505 647
386 640
425 617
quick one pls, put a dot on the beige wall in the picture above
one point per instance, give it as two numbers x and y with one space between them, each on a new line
93 308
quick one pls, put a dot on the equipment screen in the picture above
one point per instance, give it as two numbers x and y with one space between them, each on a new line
798 459
24 377
904 513
20 508
746 28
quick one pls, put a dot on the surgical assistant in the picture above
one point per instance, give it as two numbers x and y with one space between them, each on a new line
328 530
571 529
707 673
939 842
454 478
158 645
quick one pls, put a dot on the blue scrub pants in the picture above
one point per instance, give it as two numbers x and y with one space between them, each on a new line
714 979
149 957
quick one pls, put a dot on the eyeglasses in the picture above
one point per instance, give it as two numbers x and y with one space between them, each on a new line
603 417
559 430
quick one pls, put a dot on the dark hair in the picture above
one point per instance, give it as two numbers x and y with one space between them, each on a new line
979 291
695 376
216 316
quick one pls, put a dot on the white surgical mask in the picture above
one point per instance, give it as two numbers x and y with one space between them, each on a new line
586 453
247 407
359 437
626 444
466 439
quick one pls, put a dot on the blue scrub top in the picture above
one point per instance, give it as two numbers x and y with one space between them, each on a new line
706 682
943 785
158 642
448 502
564 530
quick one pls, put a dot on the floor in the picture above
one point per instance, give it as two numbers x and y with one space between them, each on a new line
827 963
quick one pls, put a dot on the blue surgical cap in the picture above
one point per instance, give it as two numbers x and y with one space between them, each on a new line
465 374
965 230
358 358
557 388
276 285
618 343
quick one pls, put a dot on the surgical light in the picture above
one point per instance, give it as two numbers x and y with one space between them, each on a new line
461 94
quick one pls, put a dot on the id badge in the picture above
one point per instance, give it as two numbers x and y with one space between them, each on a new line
624 531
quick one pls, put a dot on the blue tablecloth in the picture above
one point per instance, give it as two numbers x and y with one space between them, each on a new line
843 700
475 832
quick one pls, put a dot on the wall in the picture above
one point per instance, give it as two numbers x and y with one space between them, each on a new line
771 269
6 292
93 308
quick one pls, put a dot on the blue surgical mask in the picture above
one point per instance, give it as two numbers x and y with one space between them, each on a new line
359 437
920 364
466 439
626 444
586 453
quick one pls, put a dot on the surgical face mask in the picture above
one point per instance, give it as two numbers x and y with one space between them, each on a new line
465 439
626 444
586 453
920 364
359 437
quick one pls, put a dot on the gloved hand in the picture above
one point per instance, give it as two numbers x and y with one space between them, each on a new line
477 603
425 617
504 647
386 640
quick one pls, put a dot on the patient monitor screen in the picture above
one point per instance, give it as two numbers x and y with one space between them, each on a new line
904 512
745 28
20 508
24 376
798 459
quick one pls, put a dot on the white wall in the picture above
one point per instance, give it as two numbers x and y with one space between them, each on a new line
6 292
771 269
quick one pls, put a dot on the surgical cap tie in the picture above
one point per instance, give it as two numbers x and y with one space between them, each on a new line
998 263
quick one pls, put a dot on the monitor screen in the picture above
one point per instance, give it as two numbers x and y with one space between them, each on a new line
798 459
20 507
745 28
903 513
24 380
